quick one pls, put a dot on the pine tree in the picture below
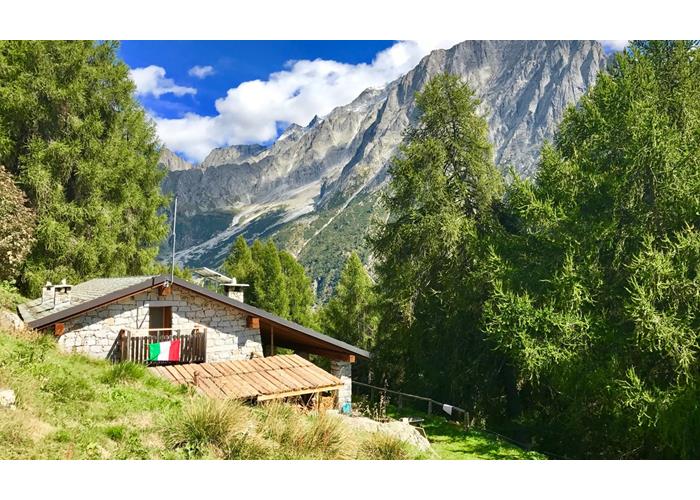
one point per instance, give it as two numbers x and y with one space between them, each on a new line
299 291
82 149
270 285
350 315
239 262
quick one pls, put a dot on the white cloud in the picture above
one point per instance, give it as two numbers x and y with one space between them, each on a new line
151 81
614 45
201 72
250 112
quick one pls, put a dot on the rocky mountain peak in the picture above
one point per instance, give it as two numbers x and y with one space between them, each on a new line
172 162
312 175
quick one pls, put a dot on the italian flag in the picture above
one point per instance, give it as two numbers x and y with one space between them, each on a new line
164 351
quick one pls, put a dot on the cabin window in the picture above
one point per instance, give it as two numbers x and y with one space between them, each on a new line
160 318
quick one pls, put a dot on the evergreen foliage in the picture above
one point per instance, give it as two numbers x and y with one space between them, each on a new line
432 252
278 283
81 148
350 315
299 291
596 291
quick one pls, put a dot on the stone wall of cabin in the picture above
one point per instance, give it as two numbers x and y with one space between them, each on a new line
95 332
343 370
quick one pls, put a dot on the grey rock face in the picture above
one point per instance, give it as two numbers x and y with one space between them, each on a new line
172 162
231 155
10 321
525 87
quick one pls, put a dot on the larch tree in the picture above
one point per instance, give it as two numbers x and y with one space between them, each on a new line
82 149
442 197
596 289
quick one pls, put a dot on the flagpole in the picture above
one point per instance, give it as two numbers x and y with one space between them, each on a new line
172 264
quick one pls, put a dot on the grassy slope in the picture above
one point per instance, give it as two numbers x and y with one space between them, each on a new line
70 406
451 442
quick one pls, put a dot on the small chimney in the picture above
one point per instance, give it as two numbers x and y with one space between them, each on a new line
61 294
234 290
47 293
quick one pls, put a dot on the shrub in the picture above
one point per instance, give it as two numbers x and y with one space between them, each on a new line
17 223
204 424
382 446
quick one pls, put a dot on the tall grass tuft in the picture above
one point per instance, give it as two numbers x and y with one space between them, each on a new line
123 372
67 387
380 446
206 425
325 437
282 424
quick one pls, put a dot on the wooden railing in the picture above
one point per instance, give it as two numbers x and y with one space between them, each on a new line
133 345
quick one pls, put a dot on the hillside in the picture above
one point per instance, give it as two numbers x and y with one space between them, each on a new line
316 188
73 407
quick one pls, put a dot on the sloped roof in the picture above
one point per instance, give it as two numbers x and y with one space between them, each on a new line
84 292
98 292
259 378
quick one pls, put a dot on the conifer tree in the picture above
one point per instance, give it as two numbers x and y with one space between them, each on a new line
80 146
270 285
596 295
350 315
239 262
299 291
431 252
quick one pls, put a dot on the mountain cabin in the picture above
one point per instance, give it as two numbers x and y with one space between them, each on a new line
190 334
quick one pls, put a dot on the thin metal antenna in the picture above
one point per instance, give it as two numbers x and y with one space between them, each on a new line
172 265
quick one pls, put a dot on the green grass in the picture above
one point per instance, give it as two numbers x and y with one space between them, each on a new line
451 442
9 296
72 407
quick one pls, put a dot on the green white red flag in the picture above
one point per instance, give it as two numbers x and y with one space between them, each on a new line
164 351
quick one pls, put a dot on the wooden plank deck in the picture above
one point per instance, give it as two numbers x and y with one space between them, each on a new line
257 378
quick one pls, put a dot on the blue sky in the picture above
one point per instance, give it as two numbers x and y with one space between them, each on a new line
234 62
207 94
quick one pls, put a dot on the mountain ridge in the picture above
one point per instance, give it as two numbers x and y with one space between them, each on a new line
297 188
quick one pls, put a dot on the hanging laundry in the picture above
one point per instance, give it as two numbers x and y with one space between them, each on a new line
447 409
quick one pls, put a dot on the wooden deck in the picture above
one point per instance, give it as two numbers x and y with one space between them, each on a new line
259 378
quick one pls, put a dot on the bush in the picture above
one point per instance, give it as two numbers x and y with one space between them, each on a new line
206 424
382 446
17 223
9 295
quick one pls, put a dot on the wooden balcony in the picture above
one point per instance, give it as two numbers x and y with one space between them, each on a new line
133 345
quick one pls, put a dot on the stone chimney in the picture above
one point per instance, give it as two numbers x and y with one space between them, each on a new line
61 294
234 290
47 293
